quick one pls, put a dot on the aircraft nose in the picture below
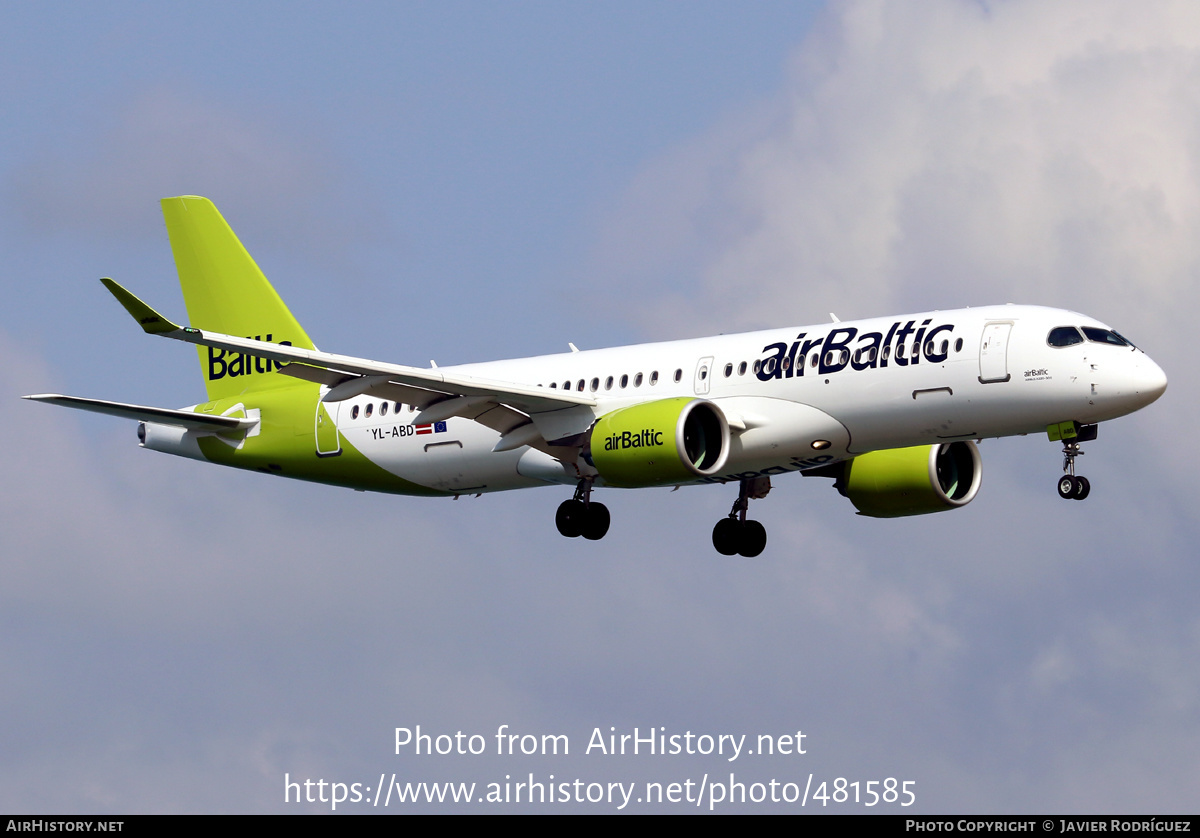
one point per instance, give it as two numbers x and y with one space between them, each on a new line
1128 382
1152 381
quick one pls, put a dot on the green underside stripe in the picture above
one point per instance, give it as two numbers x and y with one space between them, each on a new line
286 445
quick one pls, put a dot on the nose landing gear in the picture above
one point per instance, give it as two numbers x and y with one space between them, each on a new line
1070 485
580 516
735 535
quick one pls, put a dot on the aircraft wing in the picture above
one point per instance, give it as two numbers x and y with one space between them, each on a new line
160 415
439 393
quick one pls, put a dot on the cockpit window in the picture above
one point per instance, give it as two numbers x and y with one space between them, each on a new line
1064 336
1104 336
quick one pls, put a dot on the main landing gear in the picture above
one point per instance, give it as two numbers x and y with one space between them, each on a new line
581 516
735 535
1070 485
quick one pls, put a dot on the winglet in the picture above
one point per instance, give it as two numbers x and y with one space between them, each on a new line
149 319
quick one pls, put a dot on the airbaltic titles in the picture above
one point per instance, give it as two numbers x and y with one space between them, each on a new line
873 350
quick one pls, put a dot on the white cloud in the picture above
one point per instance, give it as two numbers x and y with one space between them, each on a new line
939 154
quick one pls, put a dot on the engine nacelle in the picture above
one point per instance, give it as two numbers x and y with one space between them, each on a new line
913 481
659 443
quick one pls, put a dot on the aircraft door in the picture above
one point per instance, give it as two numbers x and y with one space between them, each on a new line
993 353
325 430
703 375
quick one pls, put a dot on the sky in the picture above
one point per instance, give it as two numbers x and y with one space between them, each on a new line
467 181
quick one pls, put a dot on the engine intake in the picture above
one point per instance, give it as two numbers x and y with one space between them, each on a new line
660 443
913 481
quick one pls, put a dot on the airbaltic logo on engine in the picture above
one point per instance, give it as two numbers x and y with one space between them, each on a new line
235 364
832 352
629 439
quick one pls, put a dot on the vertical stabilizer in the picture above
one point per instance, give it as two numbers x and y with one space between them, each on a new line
226 292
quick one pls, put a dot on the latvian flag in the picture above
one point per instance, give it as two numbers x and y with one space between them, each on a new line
435 428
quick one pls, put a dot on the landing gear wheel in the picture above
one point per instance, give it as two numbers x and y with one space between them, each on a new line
1067 487
579 516
734 535
727 536
595 522
754 539
1082 488
1071 486
571 518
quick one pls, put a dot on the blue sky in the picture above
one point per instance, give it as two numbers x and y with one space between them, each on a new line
466 181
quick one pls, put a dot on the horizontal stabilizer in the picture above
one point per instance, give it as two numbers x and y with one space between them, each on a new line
149 319
159 415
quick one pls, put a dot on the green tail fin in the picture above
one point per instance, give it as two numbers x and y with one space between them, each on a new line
226 292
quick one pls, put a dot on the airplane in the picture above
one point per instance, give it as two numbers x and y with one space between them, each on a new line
889 408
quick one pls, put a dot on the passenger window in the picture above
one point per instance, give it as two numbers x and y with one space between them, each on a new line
637 380
581 382
728 370
553 385
396 409
757 367
383 409
370 406
624 381
653 378
958 345
1065 336
679 376
354 412
742 368
595 384
608 383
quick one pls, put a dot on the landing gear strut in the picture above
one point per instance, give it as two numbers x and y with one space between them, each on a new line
580 516
734 534
1071 486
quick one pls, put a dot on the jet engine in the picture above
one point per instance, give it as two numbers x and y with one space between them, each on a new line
659 443
912 481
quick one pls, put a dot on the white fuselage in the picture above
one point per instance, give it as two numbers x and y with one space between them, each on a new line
795 398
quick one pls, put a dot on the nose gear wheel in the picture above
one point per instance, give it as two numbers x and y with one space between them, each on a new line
1070 485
